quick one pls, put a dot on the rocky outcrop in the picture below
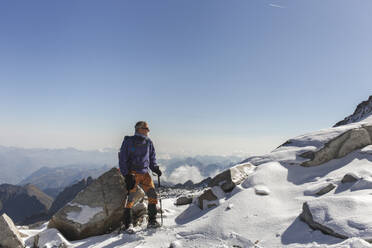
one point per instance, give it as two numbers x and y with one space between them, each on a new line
223 183
342 217
68 194
9 235
96 210
340 146
363 110
231 177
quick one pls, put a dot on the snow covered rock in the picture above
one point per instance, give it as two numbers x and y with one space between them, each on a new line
350 178
96 210
210 197
9 235
183 200
340 146
49 238
231 177
340 216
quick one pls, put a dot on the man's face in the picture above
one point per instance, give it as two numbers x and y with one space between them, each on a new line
144 130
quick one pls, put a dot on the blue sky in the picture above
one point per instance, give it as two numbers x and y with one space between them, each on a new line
210 76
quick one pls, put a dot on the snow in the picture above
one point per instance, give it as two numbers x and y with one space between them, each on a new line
244 219
84 215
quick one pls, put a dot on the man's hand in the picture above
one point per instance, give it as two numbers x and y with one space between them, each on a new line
157 171
130 181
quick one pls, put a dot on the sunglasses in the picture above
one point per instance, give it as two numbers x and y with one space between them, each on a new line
146 128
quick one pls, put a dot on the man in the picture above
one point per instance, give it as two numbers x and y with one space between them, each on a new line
136 156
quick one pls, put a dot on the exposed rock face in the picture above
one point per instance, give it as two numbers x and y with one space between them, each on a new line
9 235
207 199
342 217
231 177
68 194
13 200
96 210
363 110
340 146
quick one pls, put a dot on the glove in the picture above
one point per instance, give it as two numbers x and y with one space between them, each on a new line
157 171
130 181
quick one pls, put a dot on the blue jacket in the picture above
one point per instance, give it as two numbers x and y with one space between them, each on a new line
136 153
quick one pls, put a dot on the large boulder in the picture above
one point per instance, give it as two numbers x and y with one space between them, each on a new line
231 177
9 235
340 146
340 216
96 210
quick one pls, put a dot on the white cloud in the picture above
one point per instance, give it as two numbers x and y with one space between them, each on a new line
276 6
185 173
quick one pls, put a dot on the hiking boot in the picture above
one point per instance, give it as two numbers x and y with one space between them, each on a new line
152 211
127 219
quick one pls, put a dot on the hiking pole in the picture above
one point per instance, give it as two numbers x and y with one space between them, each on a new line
161 207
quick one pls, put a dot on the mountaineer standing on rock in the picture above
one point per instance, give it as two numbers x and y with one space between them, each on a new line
136 156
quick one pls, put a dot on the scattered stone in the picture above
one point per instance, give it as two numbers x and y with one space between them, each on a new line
231 177
350 178
183 200
229 206
96 210
326 189
9 234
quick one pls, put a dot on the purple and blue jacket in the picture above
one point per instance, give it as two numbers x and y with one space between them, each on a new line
137 153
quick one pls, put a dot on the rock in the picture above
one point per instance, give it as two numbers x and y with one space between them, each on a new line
183 200
363 110
96 210
210 197
48 238
205 199
326 189
340 216
9 235
231 177
261 190
350 178
340 146
68 194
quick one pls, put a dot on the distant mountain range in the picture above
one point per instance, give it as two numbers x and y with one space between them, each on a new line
20 202
54 180
18 163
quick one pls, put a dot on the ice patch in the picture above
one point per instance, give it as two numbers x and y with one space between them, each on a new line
84 215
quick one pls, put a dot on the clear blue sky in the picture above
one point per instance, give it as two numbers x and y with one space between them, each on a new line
209 76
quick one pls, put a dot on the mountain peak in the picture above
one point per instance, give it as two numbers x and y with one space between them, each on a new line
362 111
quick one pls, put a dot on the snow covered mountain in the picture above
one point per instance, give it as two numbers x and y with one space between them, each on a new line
313 191
363 110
